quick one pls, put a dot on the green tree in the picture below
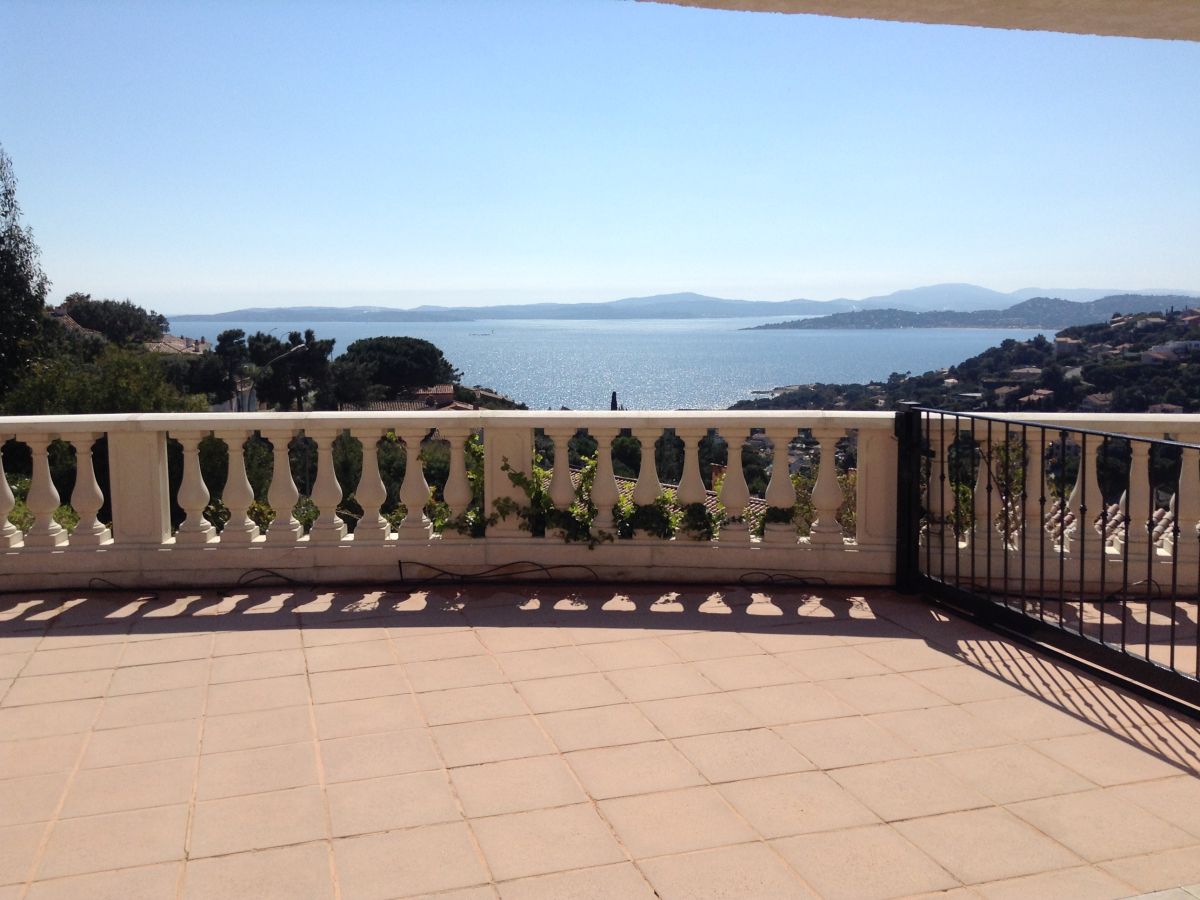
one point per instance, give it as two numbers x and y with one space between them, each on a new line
397 365
288 375
121 321
23 284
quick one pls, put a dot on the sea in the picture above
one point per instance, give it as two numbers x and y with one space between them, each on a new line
654 363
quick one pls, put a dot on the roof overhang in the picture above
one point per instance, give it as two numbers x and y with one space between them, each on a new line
1168 19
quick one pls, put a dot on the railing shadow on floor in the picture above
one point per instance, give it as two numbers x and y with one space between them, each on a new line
845 615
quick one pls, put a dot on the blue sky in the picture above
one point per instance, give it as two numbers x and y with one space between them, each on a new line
202 156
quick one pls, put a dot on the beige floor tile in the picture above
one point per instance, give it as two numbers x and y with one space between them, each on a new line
735 755
262 728
703 714
256 666
143 743
661 682
168 649
883 693
120 788
378 755
791 703
525 637
601 726
115 841
143 883
711 645
863 864
72 659
635 654
54 688
569 692
1027 718
471 704
793 638
986 845
1106 760
850 741
910 655
516 785
548 662
255 771
829 663
633 769
151 708
20 723
696 818
493 740
419 860
417 648
11 664
1101 825
747 870
1013 773
31 799
40 756
256 640
763 670
445 674
1176 800
963 684
1083 883
941 729
357 684
907 788
385 804
357 655
1158 871
250 696
523 844
257 821
350 717
786 805
283 873
159 677
616 882
18 849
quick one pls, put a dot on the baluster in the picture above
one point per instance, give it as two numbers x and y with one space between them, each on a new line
193 496
1035 499
238 495
87 498
604 488
648 488
827 493
735 496
371 493
691 485
326 491
283 494
10 534
43 499
1136 508
457 492
1187 512
781 493
938 492
562 492
981 496
414 492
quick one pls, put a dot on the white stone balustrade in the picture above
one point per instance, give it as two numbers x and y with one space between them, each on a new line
125 533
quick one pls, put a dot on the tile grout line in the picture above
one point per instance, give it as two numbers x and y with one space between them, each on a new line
181 878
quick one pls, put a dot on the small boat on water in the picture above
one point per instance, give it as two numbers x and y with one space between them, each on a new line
483 333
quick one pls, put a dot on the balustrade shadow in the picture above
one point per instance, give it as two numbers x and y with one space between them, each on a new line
844 616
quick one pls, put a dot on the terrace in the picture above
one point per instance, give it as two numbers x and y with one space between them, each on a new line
379 713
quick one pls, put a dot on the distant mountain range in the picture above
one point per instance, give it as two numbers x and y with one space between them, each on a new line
958 298
1039 312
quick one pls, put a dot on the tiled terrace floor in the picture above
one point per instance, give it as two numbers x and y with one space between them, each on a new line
554 742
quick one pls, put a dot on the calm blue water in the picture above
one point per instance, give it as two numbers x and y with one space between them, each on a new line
655 364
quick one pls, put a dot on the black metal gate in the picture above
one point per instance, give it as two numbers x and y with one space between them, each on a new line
1082 541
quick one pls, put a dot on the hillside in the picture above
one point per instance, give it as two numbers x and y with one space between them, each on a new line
1039 312
1142 362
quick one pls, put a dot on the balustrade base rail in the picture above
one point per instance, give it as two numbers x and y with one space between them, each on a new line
1082 539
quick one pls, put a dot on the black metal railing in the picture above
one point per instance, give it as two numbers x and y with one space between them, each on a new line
1082 539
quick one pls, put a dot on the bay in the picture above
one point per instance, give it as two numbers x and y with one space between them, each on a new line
654 363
